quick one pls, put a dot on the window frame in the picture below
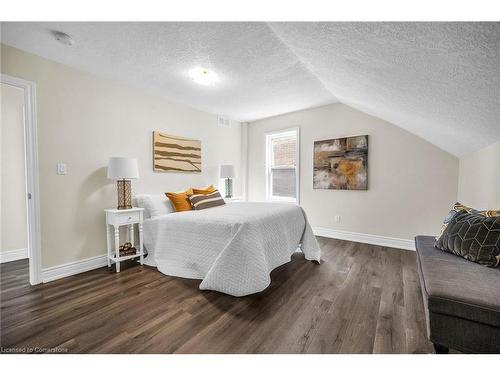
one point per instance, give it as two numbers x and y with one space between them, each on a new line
269 137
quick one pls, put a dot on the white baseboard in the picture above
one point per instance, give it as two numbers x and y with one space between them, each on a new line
372 239
12 255
72 268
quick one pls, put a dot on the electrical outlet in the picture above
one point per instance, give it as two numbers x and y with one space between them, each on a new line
61 169
337 218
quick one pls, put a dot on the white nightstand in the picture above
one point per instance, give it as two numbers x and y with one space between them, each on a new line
233 199
116 219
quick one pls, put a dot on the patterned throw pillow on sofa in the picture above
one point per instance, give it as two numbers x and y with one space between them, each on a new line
473 236
459 207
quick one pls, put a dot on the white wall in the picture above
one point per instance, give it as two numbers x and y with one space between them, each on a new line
243 172
83 120
412 183
14 235
479 178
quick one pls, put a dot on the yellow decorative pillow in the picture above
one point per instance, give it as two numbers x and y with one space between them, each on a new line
180 201
207 190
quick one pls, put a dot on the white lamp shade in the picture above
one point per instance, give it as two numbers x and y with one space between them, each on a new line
227 171
122 168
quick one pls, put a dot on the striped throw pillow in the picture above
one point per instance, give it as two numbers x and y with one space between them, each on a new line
202 201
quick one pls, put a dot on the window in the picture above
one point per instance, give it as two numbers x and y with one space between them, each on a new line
282 166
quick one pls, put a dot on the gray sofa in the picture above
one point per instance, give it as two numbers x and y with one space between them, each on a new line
461 300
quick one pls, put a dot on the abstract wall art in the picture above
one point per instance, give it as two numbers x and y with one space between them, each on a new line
341 163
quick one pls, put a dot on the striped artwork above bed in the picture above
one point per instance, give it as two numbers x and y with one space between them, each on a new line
175 154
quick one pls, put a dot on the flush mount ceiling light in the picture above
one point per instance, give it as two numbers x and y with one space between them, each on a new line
203 76
63 38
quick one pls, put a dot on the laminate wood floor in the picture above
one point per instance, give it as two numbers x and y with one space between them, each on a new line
361 299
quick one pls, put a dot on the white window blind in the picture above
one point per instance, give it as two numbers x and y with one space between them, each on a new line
282 165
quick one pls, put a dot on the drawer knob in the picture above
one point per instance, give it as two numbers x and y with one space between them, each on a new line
130 217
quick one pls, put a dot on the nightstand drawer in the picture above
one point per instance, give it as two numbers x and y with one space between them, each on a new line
132 217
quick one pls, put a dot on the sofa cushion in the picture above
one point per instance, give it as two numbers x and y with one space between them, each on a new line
456 208
459 207
457 287
474 237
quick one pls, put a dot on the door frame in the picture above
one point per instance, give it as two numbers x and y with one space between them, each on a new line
31 160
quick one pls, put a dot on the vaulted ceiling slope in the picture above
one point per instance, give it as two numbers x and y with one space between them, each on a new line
440 81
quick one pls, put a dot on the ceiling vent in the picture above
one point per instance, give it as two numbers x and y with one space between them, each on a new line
224 122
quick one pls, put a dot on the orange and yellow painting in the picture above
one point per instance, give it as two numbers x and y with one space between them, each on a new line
341 163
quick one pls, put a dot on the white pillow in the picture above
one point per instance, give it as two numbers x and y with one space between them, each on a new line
154 204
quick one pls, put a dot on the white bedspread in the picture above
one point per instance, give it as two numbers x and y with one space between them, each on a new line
233 248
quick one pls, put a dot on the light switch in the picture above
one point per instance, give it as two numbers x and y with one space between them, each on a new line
61 168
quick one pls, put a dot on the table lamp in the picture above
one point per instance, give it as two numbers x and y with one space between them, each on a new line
227 172
123 170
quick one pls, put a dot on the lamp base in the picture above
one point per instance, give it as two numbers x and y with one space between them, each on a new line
124 188
229 187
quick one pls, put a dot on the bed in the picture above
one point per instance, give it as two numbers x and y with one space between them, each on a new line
232 248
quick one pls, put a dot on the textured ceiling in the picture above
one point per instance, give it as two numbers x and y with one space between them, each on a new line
440 81
259 76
